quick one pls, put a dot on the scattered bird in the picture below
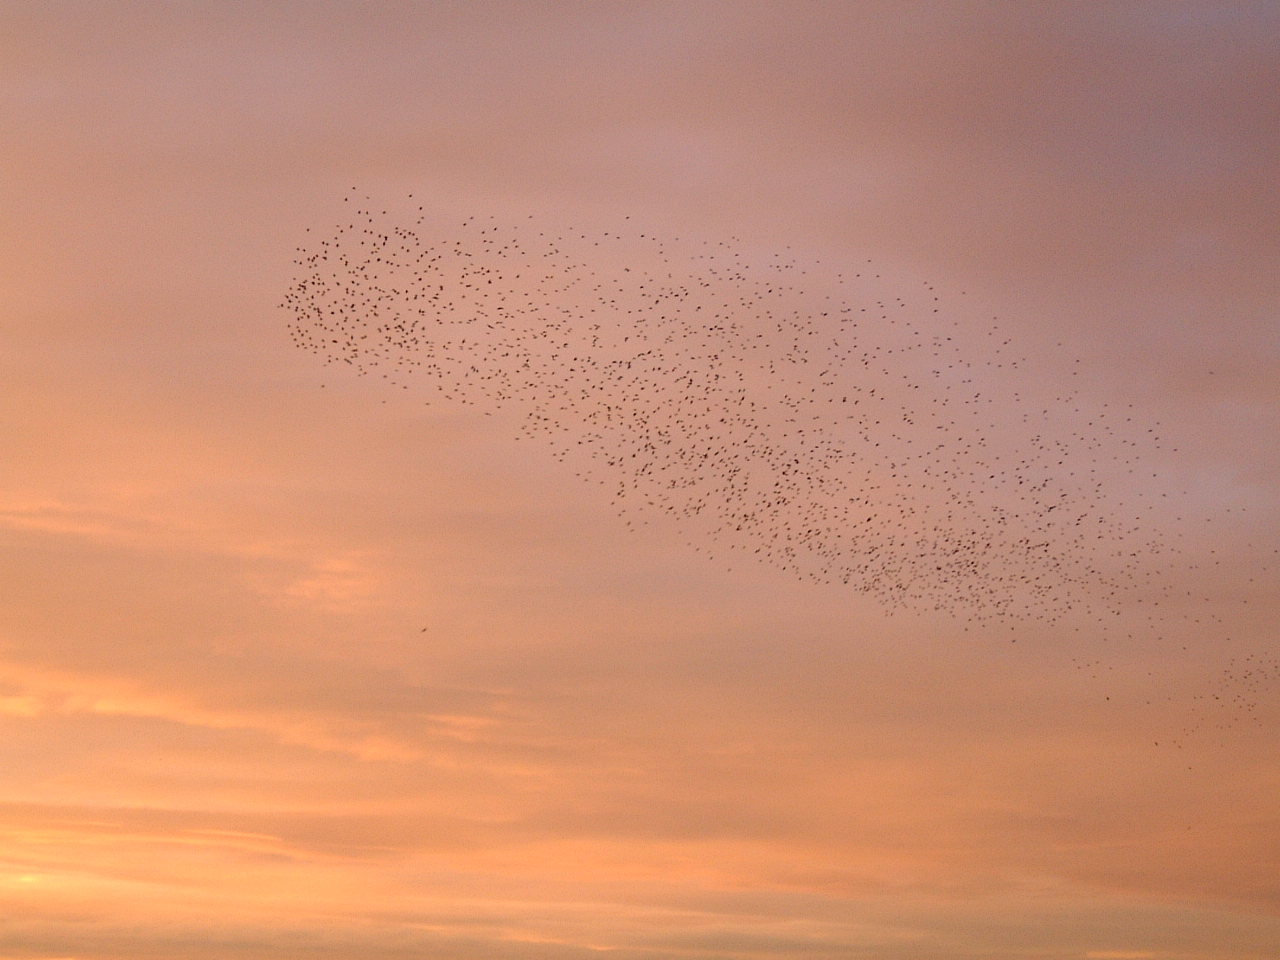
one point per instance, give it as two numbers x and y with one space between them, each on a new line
1235 698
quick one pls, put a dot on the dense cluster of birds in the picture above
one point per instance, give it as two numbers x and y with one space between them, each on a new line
811 417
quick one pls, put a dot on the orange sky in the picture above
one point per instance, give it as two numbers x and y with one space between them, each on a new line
291 672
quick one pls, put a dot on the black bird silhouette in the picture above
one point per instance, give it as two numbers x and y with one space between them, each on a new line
781 408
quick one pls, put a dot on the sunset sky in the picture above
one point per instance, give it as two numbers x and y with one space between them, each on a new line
304 672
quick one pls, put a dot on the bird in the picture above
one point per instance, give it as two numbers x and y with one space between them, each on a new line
820 418
803 414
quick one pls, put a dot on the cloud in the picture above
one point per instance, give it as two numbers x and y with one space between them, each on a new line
289 671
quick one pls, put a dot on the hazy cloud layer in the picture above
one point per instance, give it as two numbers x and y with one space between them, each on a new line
292 671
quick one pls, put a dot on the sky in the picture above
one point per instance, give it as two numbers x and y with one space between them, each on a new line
295 664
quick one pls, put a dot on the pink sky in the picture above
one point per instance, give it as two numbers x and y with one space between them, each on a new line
291 672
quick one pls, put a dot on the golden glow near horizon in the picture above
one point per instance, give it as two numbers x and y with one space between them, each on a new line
297 665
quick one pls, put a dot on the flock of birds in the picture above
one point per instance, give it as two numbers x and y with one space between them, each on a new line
817 419
805 417
1237 694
